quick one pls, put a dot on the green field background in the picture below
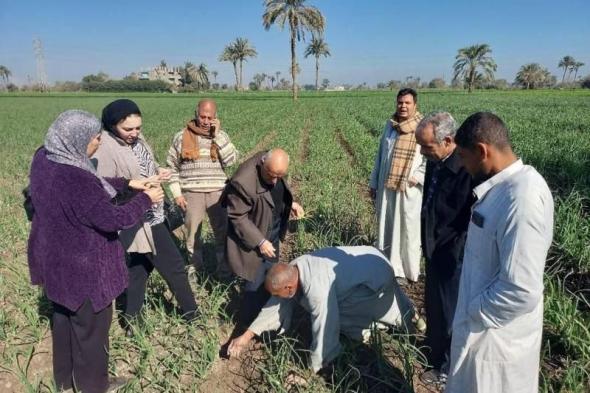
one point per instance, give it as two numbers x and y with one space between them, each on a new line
332 139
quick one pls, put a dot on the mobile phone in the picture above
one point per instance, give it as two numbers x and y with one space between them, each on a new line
212 130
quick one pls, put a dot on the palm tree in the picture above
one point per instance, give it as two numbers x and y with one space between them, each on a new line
469 59
318 47
576 66
566 63
201 76
392 85
229 54
5 74
532 75
243 50
300 18
214 73
264 77
258 79
272 79
187 73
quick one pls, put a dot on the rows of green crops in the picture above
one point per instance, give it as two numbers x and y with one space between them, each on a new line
332 140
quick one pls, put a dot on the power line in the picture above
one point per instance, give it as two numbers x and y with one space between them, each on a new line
40 59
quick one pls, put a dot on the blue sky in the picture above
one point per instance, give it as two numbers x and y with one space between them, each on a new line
371 41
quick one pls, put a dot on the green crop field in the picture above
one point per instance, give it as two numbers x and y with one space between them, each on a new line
332 139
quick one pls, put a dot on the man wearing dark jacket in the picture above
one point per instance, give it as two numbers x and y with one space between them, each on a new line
259 203
446 209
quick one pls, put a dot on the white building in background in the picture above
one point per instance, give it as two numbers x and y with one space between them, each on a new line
160 73
336 88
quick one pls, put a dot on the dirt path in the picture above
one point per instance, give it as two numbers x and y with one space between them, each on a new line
362 187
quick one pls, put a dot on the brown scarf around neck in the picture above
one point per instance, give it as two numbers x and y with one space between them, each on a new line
403 151
190 142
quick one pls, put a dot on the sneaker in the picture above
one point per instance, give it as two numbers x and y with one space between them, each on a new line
442 381
430 377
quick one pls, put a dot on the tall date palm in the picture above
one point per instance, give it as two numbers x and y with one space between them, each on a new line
237 52
318 47
243 50
300 18
229 55
566 63
469 60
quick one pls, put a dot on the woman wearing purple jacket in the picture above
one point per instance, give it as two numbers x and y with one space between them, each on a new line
73 250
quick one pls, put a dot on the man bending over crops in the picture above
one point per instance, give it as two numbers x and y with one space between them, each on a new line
259 204
344 289
396 186
498 324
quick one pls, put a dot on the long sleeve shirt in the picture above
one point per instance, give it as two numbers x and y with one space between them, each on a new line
73 250
344 289
203 174
497 328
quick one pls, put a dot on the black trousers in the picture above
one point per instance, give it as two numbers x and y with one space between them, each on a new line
169 263
255 294
81 347
441 292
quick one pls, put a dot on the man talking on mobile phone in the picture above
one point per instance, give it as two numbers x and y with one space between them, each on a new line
199 154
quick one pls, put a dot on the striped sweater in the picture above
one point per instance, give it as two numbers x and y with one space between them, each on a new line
201 175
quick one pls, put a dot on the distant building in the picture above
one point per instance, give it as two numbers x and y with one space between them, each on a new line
336 88
159 73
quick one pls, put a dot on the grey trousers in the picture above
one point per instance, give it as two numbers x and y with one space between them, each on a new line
200 204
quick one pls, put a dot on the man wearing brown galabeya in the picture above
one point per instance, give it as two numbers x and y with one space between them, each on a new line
259 204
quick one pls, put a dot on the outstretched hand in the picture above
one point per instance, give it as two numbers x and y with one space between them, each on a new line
297 212
267 249
239 344
144 184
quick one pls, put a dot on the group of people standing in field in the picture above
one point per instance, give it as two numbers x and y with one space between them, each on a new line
460 198
483 221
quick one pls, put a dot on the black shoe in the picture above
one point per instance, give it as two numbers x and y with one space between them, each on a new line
193 318
130 324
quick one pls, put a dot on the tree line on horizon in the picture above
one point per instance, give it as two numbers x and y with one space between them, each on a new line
474 66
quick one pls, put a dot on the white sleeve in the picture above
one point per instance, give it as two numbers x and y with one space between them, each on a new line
523 244
275 314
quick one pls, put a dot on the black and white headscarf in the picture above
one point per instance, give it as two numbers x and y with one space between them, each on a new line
112 114
67 141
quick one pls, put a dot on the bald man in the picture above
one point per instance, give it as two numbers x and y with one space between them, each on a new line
344 289
259 204
198 157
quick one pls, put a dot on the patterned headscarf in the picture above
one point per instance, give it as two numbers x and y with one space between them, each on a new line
68 138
